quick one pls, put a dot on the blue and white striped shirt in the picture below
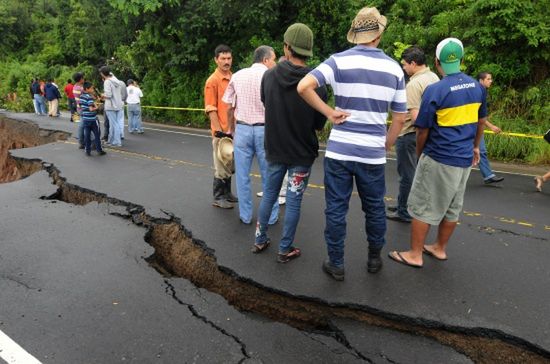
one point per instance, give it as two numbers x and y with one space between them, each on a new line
367 84
86 101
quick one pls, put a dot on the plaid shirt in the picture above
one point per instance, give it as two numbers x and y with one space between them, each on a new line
243 92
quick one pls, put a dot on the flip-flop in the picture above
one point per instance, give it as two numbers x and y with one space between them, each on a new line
292 254
400 259
538 183
258 248
427 252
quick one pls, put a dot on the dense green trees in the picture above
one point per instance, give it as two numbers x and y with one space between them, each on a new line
167 44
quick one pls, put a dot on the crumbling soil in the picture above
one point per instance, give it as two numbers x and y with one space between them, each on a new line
17 135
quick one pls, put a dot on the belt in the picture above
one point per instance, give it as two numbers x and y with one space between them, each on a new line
255 124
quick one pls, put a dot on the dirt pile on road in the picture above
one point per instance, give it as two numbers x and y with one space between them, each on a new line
20 134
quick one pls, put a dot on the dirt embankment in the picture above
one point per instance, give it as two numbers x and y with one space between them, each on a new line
20 134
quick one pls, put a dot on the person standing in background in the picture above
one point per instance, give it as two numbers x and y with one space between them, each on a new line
413 60
71 103
77 91
216 110
134 107
486 80
53 96
114 95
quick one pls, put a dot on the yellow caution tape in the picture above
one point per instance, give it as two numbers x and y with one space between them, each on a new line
172 108
519 135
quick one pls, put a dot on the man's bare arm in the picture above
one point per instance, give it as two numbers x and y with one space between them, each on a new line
398 119
231 119
306 89
214 121
421 137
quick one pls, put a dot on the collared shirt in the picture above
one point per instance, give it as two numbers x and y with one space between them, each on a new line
367 84
451 109
415 88
213 92
243 92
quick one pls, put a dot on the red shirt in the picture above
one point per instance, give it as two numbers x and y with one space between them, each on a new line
69 91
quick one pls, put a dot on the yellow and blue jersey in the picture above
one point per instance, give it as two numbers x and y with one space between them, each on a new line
451 109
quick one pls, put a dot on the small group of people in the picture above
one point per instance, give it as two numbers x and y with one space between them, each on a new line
42 92
273 110
84 104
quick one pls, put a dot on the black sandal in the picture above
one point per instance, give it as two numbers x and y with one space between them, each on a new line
292 254
258 248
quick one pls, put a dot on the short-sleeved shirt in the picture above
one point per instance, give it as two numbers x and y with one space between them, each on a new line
213 93
415 88
86 100
134 95
367 84
243 92
77 90
451 109
69 91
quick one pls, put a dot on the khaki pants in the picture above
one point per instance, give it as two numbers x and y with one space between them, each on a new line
52 107
221 170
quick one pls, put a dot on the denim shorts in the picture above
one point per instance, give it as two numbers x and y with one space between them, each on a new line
437 191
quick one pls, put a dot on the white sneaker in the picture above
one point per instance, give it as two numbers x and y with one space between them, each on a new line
260 194
282 200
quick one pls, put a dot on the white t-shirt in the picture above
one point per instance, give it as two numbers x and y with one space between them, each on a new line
134 94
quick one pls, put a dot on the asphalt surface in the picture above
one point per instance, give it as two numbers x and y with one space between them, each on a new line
496 277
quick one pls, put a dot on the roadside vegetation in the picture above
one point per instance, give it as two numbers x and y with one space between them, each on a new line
167 46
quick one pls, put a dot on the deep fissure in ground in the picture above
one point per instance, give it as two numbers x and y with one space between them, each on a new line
178 253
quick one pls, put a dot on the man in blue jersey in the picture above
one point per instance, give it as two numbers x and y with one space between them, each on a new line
449 126
366 85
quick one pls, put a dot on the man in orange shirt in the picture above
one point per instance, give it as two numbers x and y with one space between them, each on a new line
216 110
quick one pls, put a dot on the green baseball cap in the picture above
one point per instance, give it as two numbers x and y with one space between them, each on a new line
300 38
450 52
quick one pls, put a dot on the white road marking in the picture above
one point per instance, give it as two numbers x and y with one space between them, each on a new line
12 353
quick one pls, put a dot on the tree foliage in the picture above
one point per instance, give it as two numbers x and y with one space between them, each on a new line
168 44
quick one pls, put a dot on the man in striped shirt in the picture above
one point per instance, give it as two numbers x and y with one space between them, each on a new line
366 85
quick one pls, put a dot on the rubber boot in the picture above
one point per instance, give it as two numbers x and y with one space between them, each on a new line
228 195
374 262
219 195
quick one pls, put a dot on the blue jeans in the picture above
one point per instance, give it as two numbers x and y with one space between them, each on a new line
80 129
247 142
298 177
41 102
116 126
405 147
369 179
91 127
484 165
134 118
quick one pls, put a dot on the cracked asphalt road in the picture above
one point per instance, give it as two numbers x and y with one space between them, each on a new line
492 281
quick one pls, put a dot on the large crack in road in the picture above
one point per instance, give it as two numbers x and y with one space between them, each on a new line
178 253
